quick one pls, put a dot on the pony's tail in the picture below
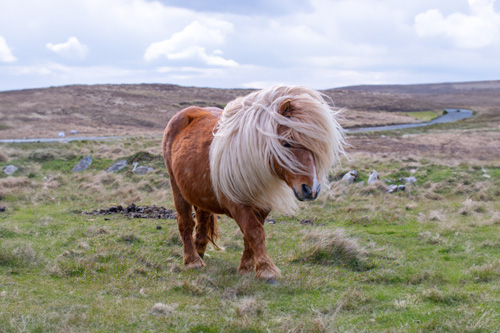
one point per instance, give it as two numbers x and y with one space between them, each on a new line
213 230
207 228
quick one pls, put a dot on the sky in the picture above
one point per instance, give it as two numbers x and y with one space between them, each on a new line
247 44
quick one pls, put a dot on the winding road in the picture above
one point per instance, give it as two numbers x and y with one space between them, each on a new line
451 115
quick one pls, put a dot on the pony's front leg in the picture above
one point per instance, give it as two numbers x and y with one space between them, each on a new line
247 263
255 242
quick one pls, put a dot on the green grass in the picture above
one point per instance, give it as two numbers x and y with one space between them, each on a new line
4 126
425 259
425 115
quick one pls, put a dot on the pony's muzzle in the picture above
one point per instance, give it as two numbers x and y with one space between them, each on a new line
307 193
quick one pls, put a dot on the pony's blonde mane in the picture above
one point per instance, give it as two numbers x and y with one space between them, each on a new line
246 142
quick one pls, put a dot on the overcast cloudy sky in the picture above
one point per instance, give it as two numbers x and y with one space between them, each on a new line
251 43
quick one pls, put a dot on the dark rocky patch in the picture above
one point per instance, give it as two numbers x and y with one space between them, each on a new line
133 211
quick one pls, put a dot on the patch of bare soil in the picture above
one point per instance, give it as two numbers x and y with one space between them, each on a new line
133 211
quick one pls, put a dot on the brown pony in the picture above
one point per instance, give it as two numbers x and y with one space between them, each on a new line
246 160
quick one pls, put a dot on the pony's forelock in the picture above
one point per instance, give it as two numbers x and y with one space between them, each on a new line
246 142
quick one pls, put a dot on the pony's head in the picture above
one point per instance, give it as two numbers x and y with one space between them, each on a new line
274 144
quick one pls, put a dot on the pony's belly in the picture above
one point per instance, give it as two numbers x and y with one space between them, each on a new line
198 189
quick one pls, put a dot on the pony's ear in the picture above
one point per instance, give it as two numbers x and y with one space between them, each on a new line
286 108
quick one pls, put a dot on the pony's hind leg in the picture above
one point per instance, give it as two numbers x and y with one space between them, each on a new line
186 226
206 230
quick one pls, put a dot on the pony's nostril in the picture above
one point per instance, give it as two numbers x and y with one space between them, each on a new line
306 190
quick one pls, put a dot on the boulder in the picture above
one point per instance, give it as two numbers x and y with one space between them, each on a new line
9 169
350 177
141 170
117 166
83 164
411 180
373 177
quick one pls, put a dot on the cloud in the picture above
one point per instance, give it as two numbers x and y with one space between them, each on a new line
72 49
192 42
481 28
5 52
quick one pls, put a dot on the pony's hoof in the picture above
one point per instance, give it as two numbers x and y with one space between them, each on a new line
270 273
273 282
245 271
197 264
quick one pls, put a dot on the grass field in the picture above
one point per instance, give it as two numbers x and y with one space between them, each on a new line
425 259
425 115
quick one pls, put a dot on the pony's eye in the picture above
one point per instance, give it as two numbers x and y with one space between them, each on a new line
286 144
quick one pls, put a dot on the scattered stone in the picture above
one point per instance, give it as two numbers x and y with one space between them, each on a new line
117 166
2 209
396 188
160 309
412 180
83 164
9 169
373 177
388 181
133 211
74 132
141 170
306 222
383 136
158 227
62 134
392 188
271 221
350 177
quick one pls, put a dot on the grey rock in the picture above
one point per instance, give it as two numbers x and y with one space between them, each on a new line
10 169
392 188
396 188
74 132
62 134
141 170
83 164
270 220
350 177
373 177
117 166
410 180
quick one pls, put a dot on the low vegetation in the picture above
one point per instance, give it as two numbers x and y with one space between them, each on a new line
425 115
423 259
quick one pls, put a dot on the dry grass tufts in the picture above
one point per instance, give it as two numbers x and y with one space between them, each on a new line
469 207
96 231
406 302
486 272
375 188
3 157
249 306
431 238
352 299
160 309
327 248
22 255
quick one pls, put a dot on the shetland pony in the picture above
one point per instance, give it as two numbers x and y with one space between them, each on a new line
246 160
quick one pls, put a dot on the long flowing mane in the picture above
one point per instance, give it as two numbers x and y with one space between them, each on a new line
246 142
